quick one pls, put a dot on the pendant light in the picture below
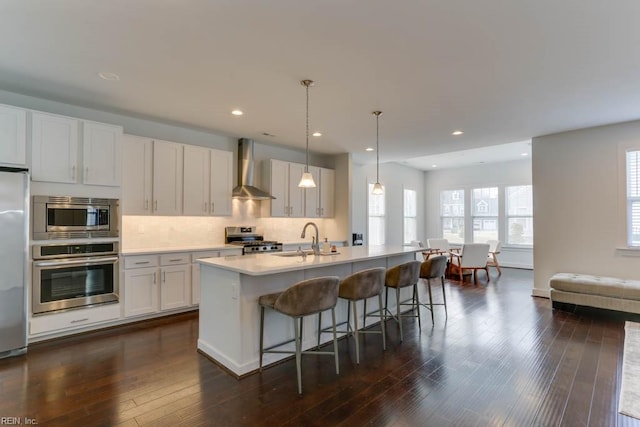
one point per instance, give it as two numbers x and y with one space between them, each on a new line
377 187
307 179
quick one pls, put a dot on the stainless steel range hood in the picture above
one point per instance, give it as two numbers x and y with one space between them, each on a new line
245 188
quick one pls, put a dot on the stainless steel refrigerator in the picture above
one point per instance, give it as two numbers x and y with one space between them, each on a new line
14 214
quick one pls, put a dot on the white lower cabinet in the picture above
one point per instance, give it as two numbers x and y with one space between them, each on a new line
73 319
153 283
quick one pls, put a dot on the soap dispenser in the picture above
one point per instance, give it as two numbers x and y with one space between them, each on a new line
326 247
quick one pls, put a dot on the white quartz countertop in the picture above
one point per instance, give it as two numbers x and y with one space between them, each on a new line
270 263
173 249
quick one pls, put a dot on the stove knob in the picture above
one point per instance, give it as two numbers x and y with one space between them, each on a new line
264 248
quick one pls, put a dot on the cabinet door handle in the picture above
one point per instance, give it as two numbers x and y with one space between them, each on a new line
212 205
154 278
175 260
142 262
155 205
86 172
321 211
204 207
79 320
146 204
73 172
164 277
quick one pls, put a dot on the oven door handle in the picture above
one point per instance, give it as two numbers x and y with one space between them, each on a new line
90 261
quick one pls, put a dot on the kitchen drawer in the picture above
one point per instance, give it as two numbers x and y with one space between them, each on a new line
140 261
204 254
73 319
175 259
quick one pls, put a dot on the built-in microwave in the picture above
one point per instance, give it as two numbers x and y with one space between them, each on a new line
64 217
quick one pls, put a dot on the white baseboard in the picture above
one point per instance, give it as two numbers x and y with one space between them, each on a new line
543 293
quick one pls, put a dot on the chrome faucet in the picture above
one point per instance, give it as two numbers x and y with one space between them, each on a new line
314 245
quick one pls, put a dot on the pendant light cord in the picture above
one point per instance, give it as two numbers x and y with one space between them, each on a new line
307 165
377 150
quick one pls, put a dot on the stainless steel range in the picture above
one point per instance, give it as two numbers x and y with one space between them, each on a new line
250 240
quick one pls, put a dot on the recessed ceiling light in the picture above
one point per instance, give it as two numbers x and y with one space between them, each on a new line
112 77
316 134
237 112
434 166
368 149
457 132
524 154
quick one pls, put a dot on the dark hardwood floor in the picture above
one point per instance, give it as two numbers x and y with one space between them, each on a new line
501 357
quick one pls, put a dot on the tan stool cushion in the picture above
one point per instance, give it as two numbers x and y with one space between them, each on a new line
402 275
363 284
596 285
434 267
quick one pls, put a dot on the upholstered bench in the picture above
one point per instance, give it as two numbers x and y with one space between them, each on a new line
569 290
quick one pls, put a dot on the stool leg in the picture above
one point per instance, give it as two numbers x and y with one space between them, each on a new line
348 318
398 312
298 337
430 299
417 302
382 322
355 330
444 296
364 315
386 302
319 329
335 339
261 335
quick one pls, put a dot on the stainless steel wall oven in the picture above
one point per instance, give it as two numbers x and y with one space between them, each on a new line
64 217
74 275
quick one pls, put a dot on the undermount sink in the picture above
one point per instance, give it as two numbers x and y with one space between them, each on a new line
292 253
296 253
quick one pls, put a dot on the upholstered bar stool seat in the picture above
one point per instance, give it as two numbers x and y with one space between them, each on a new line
356 287
434 268
398 277
304 298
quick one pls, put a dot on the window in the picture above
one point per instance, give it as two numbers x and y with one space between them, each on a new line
633 198
376 218
484 214
452 215
519 205
410 216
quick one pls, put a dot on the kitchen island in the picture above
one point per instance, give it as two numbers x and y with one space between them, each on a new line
229 325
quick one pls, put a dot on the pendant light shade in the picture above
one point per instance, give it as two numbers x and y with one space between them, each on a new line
378 189
307 179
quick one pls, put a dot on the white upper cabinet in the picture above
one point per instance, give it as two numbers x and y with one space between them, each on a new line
102 157
319 201
197 170
221 182
283 178
167 178
312 195
13 136
55 151
327 192
208 181
138 175
54 148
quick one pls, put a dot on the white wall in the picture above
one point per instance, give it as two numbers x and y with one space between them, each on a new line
578 196
395 179
485 175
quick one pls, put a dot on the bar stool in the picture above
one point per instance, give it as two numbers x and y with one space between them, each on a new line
302 299
398 277
434 268
356 287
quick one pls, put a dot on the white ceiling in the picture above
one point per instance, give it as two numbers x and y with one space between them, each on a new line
502 71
